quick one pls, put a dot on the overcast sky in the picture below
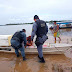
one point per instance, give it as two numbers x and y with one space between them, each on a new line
21 11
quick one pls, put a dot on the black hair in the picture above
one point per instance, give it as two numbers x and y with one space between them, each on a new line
54 21
36 17
24 30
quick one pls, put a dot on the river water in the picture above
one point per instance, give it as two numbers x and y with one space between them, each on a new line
11 29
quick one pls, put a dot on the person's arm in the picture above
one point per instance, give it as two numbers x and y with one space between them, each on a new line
46 29
29 44
34 29
52 30
24 38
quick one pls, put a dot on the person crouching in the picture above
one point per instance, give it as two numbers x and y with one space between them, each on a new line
18 42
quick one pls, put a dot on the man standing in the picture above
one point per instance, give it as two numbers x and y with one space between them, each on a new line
18 42
56 31
39 29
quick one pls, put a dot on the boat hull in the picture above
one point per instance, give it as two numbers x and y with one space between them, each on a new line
46 50
61 27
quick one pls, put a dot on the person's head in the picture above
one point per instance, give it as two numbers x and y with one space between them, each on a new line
54 22
36 17
23 30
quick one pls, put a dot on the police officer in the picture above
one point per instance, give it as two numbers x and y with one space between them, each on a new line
39 29
18 41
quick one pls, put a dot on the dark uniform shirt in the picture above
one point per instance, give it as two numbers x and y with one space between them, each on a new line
34 30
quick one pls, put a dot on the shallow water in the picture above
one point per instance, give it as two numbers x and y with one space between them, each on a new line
11 29
54 63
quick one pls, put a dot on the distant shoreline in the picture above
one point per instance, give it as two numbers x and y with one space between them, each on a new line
32 22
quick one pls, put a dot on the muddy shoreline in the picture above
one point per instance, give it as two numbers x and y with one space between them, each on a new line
54 63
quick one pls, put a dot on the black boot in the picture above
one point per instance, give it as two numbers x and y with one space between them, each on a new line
42 60
24 59
18 55
39 57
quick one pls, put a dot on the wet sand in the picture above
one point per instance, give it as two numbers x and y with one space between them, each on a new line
54 63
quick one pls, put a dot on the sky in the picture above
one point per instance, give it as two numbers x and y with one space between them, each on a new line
23 11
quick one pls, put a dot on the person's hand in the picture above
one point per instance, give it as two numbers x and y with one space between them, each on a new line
32 42
25 46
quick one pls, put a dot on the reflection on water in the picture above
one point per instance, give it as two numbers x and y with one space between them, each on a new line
61 68
66 32
11 29
54 63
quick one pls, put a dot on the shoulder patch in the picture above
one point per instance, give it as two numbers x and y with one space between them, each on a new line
42 25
